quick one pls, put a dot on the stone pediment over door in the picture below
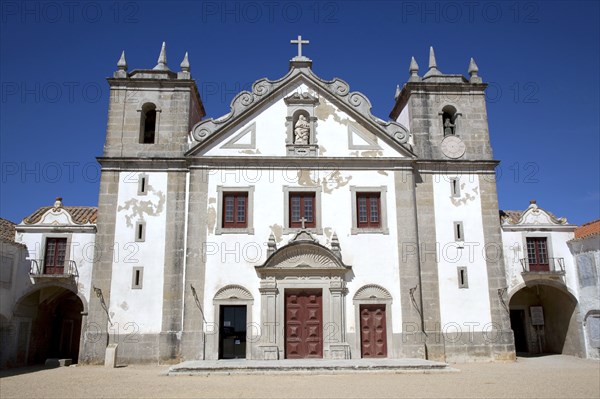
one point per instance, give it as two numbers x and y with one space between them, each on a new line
304 256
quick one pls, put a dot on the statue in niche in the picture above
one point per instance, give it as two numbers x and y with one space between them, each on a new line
301 131
448 127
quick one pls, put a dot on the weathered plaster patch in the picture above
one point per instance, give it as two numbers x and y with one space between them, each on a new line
334 181
211 219
124 306
325 109
382 172
277 231
136 209
304 178
212 200
250 152
466 197
371 153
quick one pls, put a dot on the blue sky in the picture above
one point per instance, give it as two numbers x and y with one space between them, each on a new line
541 60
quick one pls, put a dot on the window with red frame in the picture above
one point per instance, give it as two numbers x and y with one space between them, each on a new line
368 209
302 205
55 255
235 210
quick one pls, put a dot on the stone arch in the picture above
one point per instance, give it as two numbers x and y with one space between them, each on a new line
233 291
48 284
450 113
530 283
372 291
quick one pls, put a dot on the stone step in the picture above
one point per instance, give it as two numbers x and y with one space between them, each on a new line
54 362
307 366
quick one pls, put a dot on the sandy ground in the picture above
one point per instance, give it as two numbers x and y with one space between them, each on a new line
542 377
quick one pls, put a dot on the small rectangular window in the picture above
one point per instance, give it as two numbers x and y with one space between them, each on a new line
235 209
463 280
302 210
455 187
140 231
459 234
137 278
142 184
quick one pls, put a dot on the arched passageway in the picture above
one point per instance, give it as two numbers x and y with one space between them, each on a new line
544 320
49 326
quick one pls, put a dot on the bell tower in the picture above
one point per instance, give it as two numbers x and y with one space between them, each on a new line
445 113
151 111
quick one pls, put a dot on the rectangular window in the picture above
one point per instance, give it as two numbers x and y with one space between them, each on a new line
459 234
368 206
235 209
142 184
137 278
537 254
455 187
463 280
55 255
140 231
302 209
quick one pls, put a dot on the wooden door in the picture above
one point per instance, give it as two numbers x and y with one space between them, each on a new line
55 255
373 334
303 324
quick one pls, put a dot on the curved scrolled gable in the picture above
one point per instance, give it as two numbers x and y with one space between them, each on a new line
355 103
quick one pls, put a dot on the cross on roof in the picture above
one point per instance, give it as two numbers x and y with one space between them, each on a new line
303 220
299 42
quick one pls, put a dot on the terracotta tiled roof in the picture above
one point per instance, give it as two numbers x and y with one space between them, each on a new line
80 214
7 230
515 216
588 229
512 216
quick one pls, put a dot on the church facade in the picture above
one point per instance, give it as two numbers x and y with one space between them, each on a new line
299 225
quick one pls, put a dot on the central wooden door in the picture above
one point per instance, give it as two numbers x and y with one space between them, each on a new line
373 334
303 324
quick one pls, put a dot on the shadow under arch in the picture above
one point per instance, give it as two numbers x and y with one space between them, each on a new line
557 331
49 318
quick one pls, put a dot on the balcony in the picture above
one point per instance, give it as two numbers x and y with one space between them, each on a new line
65 271
553 269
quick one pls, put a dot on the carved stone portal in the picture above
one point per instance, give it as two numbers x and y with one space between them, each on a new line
303 264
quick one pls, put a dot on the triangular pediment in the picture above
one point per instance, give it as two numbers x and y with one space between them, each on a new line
259 119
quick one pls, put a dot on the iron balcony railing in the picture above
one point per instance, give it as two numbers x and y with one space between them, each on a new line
39 269
554 265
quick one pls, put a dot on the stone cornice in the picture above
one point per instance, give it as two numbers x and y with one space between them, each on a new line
410 88
55 228
125 83
272 162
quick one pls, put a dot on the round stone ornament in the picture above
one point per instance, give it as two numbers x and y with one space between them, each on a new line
453 147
